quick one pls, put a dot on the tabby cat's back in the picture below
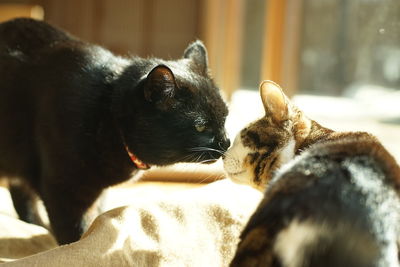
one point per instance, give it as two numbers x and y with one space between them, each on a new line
331 198
337 204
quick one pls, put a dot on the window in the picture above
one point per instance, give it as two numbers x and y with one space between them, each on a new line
338 59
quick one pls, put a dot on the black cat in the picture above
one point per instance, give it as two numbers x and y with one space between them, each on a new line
75 119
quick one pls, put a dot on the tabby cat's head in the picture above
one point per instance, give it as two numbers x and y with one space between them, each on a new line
176 113
264 145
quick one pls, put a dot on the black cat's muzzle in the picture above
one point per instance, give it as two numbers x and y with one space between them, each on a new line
217 149
224 144
208 150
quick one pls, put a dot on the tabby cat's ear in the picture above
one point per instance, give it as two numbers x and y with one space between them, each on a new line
160 86
197 52
275 102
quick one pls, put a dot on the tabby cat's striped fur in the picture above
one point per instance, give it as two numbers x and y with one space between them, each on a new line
336 204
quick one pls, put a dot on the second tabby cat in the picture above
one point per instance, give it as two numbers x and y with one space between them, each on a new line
336 204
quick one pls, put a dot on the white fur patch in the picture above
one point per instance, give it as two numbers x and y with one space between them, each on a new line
287 152
290 242
234 162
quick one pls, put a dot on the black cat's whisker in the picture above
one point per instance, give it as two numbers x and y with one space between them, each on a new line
201 152
189 157
199 157
204 149
210 155
207 178
193 157
207 160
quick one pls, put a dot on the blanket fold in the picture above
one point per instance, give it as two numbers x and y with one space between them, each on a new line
194 227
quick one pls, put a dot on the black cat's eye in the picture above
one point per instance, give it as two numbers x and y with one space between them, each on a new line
200 128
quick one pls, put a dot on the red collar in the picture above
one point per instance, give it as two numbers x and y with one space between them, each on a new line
139 164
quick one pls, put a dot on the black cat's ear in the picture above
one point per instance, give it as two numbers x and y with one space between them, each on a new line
197 52
274 100
160 86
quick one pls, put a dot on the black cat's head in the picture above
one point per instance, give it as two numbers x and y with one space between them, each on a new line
176 113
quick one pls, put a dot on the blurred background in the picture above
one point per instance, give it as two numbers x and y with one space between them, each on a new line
338 59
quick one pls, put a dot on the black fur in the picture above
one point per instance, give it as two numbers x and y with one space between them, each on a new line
67 108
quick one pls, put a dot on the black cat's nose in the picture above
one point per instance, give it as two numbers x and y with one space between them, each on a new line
224 144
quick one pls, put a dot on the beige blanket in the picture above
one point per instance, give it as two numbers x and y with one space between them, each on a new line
195 227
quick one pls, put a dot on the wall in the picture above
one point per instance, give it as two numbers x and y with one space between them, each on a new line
140 27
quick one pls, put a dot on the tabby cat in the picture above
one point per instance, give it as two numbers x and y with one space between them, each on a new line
335 204
75 119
